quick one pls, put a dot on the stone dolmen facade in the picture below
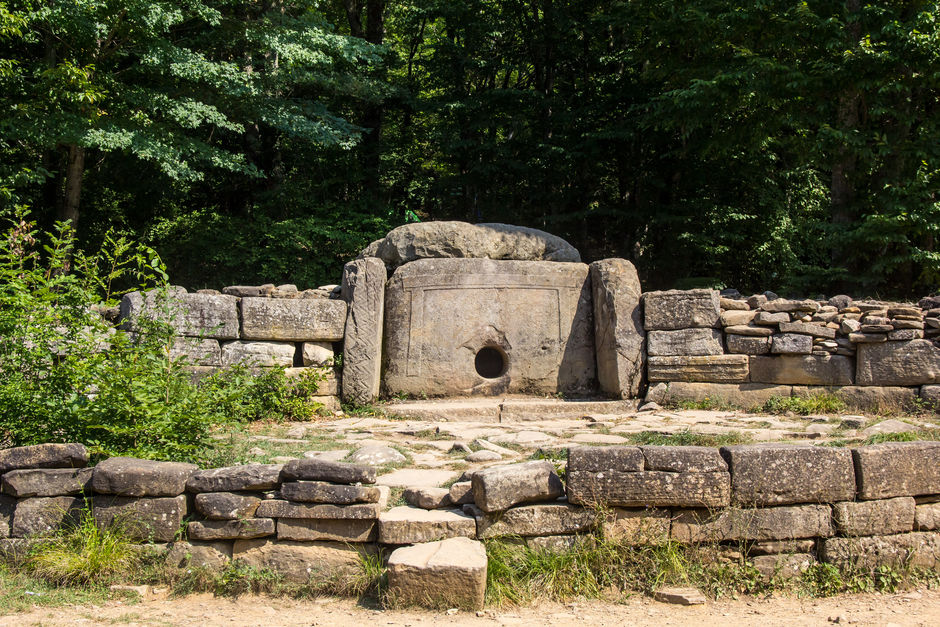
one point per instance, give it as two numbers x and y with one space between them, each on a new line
785 506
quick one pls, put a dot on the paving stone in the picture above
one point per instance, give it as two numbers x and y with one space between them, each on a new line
897 469
889 426
43 456
226 505
919 549
252 477
322 470
411 525
377 455
598 438
319 529
500 487
209 530
765 523
147 519
778 474
874 518
300 562
449 573
547 519
46 481
128 476
322 492
416 478
483 456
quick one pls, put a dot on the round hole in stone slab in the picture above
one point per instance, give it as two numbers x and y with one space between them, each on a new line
490 362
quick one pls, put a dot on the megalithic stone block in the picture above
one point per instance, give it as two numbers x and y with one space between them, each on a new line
364 291
619 337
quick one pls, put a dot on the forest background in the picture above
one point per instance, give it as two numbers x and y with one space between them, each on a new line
773 144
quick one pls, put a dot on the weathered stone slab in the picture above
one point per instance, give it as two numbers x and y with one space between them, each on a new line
444 239
41 515
684 342
771 319
815 330
679 596
300 562
364 291
318 529
897 469
197 315
618 327
43 456
322 492
146 519
226 505
639 526
767 523
681 309
782 567
737 317
750 331
778 474
128 476
777 547
293 320
321 470
461 493
785 305
874 518
705 368
803 369
747 345
196 351
46 481
649 489
604 458
744 395
683 459
449 573
258 354
428 498
251 477
898 363
277 508
500 487
918 549
791 344
411 525
212 555
478 326
926 517
548 519
315 354
242 529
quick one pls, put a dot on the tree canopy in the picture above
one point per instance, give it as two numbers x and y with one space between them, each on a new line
781 145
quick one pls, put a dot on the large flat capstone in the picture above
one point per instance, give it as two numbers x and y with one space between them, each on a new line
449 573
618 327
479 326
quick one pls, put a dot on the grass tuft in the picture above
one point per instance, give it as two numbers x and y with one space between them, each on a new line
822 403
688 438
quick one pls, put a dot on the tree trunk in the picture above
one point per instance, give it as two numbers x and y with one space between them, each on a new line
70 200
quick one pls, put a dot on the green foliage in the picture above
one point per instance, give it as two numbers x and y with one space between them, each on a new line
688 438
818 403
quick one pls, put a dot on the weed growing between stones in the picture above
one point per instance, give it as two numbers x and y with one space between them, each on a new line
822 403
688 438
707 404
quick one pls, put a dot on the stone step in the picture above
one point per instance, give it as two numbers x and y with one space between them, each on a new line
508 409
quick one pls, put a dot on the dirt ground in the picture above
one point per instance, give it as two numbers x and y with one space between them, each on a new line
921 607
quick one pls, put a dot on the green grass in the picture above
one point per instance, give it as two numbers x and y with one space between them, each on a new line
688 438
707 404
822 403
906 436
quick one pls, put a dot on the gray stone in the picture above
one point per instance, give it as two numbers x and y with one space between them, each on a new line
319 354
906 550
778 474
320 529
146 519
744 395
898 363
649 488
905 334
427 240
814 330
450 573
364 291
195 315
704 368
771 319
785 305
604 458
42 515
868 338
46 481
128 476
679 596
548 519
334 472
782 567
736 317
500 487
478 326
377 455
483 456
897 469
411 525
249 290
300 562
226 505
749 331
766 523
874 518
927 517
791 343
777 547
293 320
683 459
211 555
889 426
258 354
286 509
618 327
251 477
744 345
461 493
803 370
678 309
427 498
636 526
684 342
43 456
196 351
242 529
322 492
